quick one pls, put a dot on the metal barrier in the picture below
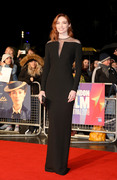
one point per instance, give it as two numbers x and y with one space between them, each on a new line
35 120
81 132
45 125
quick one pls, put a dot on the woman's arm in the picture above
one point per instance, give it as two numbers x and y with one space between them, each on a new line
45 73
78 65
46 68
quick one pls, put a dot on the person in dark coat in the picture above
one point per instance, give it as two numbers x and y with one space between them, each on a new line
31 71
104 73
86 73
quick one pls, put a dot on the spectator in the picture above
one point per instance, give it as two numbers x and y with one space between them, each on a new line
10 50
32 50
86 73
114 65
31 71
115 52
94 65
21 55
7 61
105 74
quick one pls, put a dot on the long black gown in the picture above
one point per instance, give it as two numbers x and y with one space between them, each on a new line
57 82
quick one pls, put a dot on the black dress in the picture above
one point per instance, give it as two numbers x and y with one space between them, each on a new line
57 82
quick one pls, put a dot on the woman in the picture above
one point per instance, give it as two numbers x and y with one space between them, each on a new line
60 88
31 71
85 73
94 65
7 61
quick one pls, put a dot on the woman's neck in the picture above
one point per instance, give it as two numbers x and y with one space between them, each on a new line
63 36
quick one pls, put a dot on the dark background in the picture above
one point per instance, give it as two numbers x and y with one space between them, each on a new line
94 22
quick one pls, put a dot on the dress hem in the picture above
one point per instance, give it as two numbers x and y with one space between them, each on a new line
60 173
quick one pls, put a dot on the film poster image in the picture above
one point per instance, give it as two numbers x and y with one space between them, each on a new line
15 100
89 104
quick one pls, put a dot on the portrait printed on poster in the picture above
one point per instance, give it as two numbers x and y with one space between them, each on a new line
15 100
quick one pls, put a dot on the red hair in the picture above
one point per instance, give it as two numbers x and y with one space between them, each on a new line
54 33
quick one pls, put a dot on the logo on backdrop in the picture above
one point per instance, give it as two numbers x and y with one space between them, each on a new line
89 104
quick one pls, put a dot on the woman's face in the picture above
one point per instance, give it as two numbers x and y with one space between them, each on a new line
8 61
17 96
86 63
96 63
30 52
9 51
62 25
33 64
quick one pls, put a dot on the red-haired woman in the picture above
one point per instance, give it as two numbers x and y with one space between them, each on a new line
60 88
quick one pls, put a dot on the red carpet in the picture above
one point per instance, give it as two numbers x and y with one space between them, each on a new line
23 161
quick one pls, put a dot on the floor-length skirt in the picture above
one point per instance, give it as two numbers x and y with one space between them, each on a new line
60 117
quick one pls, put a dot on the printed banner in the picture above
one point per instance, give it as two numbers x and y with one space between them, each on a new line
15 100
89 104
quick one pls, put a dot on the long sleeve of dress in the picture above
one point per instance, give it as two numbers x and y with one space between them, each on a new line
78 64
46 68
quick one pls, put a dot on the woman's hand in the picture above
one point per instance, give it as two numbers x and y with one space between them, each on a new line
19 53
42 93
72 96
2 63
31 79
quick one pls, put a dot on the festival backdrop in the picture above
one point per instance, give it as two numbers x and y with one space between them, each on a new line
89 104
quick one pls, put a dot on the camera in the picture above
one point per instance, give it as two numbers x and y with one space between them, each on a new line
23 51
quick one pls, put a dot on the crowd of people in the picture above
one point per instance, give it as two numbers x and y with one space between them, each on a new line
29 68
25 68
102 70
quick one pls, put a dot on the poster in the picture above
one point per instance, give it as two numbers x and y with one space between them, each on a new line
89 104
5 74
15 100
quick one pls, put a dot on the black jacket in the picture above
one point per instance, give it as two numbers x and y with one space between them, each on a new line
25 114
105 75
24 76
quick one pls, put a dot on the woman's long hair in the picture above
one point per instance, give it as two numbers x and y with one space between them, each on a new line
35 71
54 33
